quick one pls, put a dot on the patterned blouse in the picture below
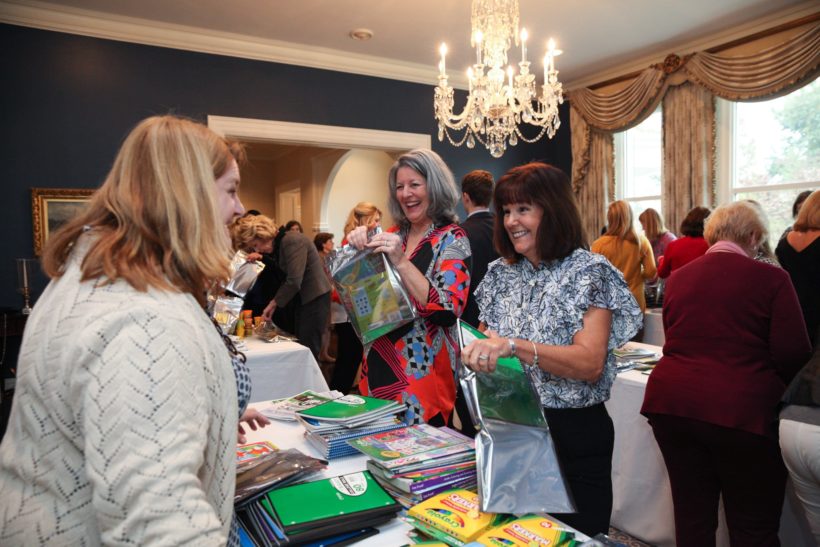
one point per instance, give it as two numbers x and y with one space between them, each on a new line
414 364
547 304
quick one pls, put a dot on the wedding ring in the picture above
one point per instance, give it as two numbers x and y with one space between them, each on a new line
483 357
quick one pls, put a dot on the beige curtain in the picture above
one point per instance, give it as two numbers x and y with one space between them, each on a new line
688 162
688 143
592 188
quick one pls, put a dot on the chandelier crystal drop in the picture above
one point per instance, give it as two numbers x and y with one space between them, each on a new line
499 100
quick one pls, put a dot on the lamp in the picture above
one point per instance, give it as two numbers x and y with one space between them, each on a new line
24 270
499 101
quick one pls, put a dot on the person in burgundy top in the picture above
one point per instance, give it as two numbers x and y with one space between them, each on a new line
687 248
734 339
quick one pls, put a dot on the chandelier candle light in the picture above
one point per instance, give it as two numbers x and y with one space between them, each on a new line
494 108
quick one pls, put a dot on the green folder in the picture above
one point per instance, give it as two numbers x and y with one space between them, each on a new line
327 501
345 408
507 393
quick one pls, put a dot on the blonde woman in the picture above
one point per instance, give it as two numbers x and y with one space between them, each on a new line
124 418
626 250
655 231
349 351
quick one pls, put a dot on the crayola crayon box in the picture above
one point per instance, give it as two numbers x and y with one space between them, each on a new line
527 531
455 513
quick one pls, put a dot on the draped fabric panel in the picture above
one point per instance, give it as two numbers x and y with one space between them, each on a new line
688 144
762 74
591 189
689 161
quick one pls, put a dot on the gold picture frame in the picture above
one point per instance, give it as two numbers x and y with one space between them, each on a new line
53 207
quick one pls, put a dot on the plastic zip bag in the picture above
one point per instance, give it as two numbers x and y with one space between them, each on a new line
243 274
518 468
371 291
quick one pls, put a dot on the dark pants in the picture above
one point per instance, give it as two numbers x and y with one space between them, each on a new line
349 353
584 440
311 322
705 460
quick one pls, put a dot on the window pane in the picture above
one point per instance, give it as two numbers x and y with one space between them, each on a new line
778 207
643 157
778 141
639 206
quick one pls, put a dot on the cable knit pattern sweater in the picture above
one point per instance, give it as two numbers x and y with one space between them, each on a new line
123 423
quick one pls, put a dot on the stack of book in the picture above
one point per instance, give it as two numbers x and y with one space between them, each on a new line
417 462
328 426
331 511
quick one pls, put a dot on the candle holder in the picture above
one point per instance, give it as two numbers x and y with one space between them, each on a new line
25 267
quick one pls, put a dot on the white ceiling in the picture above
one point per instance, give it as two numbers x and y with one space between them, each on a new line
599 37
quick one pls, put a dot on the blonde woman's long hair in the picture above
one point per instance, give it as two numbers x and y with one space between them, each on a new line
652 222
155 220
363 214
620 222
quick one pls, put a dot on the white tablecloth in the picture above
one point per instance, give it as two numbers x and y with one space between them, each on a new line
281 369
653 327
642 497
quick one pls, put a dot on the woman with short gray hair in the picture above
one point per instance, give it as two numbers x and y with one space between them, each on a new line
414 363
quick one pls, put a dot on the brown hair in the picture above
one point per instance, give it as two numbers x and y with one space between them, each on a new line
478 185
559 232
320 240
808 218
692 224
155 218
653 225
620 222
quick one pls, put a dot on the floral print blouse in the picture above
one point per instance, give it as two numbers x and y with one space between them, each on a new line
547 304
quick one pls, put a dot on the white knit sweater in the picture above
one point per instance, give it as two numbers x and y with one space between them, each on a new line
123 423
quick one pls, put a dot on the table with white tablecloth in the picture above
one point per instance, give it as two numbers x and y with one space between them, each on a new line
281 369
642 498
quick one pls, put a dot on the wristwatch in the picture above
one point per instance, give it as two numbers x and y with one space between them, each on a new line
512 346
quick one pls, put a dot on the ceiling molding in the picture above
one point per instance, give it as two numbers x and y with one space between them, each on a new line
737 32
328 136
45 16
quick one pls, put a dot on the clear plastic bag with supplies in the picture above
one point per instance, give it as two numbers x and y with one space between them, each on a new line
371 291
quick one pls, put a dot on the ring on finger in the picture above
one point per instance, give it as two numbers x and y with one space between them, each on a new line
483 357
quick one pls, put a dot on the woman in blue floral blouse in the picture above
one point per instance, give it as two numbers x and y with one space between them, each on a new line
561 310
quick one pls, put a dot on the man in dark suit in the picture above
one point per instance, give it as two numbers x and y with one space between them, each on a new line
476 192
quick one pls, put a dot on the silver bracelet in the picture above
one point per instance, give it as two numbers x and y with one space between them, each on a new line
512 346
534 354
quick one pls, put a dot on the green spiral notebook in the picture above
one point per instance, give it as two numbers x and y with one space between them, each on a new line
323 502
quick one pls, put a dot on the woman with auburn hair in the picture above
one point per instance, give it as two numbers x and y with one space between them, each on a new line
734 339
349 350
799 254
689 246
655 231
124 418
561 310
626 250
414 364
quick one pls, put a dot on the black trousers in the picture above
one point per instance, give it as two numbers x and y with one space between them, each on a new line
584 440
311 322
706 460
349 353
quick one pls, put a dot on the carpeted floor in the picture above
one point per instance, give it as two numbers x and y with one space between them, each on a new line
625 539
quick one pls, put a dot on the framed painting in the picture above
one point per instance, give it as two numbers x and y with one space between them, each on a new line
53 207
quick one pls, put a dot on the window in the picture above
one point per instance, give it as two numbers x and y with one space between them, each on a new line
769 151
639 164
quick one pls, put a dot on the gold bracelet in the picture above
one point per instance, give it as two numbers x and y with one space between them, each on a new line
534 354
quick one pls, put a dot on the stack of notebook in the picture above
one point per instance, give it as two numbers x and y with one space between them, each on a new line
328 426
415 463
328 511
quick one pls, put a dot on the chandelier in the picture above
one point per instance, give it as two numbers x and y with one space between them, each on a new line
499 100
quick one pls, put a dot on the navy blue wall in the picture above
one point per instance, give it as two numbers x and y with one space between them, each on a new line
67 102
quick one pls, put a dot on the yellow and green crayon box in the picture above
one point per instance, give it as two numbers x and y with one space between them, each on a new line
455 513
527 531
